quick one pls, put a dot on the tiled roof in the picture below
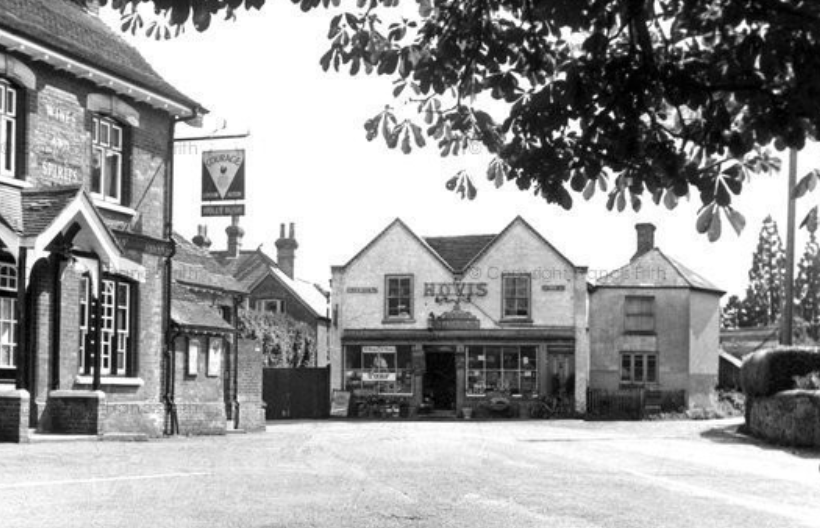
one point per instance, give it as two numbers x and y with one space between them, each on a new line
655 269
195 266
41 206
65 26
197 315
250 267
458 251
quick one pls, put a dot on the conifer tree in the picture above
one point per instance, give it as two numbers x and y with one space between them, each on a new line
764 295
807 285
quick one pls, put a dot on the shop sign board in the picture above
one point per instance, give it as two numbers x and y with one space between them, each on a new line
362 289
223 210
223 175
378 376
380 349
455 289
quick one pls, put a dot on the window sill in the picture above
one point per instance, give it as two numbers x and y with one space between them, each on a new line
14 182
114 207
515 321
397 320
110 381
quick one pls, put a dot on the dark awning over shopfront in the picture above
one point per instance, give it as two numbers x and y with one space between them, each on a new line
529 335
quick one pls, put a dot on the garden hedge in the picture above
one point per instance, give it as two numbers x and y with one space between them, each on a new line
767 372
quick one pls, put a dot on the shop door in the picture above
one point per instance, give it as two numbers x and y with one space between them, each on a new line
440 379
561 369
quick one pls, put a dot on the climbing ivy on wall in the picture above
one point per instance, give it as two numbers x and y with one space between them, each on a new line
286 342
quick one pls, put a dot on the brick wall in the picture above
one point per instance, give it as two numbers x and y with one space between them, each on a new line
199 397
14 416
73 412
249 386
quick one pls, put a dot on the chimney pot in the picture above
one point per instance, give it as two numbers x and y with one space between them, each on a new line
235 234
646 238
281 230
201 239
292 235
286 250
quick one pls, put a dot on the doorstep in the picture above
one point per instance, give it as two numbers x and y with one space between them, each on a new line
43 438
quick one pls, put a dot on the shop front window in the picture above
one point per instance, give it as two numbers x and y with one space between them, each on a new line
8 315
379 369
511 370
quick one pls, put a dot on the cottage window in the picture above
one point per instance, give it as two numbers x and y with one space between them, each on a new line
107 159
115 326
8 315
639 368
511 370
192 358
379 370
275 306
9 129
516 296
399 296
639 314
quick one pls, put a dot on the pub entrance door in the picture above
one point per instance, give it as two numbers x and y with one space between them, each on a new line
440 377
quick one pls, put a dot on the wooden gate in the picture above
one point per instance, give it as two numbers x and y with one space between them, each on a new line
293 393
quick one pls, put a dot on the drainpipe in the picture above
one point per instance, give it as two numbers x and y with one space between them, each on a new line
168 231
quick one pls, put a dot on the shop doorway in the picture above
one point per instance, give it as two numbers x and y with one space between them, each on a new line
440 378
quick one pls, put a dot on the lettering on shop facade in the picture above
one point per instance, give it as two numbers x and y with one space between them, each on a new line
454 291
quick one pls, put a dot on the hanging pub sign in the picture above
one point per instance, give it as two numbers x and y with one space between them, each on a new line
223 210
223 175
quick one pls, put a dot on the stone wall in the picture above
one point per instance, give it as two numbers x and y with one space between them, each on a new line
789 418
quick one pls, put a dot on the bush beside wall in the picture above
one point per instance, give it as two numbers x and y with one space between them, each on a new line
767 372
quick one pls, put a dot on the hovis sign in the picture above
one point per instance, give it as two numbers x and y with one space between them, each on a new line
223 175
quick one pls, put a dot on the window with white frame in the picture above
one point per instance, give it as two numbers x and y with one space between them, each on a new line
106 161
509 369
115 311
516 296
639 368
399 301
270 305
9 123
8 315
379 369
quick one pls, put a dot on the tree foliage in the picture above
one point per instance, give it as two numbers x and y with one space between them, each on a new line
764 296
285 341
638 99
807 284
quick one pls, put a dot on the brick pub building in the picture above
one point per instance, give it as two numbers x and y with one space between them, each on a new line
443 324
86 130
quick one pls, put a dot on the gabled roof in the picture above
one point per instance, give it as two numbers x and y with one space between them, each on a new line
526 225
196 267
650 271
400 224
41 206
252 267
458 253
65 26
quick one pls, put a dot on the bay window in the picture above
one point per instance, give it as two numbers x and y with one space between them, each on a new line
509 369
107 159
379 369
114 324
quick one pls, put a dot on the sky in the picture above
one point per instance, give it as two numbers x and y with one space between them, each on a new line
308 162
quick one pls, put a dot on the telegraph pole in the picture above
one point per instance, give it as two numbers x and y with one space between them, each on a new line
787 315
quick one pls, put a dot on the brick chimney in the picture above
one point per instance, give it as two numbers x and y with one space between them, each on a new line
235 234
286 250
201 239
646 238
